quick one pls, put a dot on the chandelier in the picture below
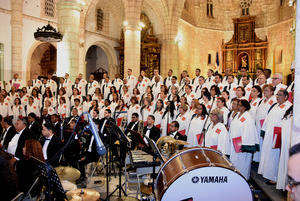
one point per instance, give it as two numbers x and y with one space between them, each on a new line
47 34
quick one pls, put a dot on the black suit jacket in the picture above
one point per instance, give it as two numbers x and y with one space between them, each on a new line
54 146
10 134
154 133
36 130
135 128
26 135
179 136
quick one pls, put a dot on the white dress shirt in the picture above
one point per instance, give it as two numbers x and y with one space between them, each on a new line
13 144
45 146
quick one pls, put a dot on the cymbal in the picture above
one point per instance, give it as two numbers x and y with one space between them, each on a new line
67 173
83 194
181 142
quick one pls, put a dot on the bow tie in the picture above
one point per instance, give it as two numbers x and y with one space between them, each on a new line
47 139
18 133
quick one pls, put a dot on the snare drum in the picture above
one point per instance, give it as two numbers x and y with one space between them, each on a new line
201 174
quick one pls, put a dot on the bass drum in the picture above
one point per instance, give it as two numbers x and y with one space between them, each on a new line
201 174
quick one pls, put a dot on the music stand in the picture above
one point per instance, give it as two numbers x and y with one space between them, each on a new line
156 154
50 179
139 137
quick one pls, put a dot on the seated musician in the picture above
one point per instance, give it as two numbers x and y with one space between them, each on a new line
16 144
150 130
8 178
174 132
51 144
27 171
34 126
8 133
89 155
133 126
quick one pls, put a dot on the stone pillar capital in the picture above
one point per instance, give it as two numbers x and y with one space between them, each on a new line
70 4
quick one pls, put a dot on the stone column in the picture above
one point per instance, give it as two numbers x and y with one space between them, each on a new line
169 57
132 36
68 48
132 50
16 37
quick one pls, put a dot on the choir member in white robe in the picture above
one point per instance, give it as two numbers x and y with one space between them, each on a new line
158 113
244 140
277 83
146 110
131 81
183 119
120 112
256 94
195 135
17 110
261 113
133 108
125 95
221 104
216 135
286 137
5 109
167 118
233 112
268 166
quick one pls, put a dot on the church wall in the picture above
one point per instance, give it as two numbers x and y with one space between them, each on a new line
5 4
5 38
32 8
280 39
201 42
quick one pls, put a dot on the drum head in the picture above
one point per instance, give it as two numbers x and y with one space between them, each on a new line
209 183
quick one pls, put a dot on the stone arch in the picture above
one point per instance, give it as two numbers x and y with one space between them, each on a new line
35 52
113 65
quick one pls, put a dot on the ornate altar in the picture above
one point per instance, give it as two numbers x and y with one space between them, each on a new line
150 49
245 49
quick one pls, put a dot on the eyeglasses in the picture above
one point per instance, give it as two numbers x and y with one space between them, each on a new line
275 78
292 183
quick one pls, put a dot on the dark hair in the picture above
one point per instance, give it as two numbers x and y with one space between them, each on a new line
152 117
285 92
243 89
217 90
34 148
204 110
8 120
170 108
268 70
32 115
207 95
259 90
222 100
219 75
50 126
288 112
174 77
108 110
245 104
295 149
176 124
76 99
135 114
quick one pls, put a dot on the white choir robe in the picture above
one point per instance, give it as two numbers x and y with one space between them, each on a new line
145 113
225 112
158 118
168 81
254 104
156 89
133 109
17 111
86 106
79 109
51 111
184 122
197 90
217 137
73 97
268 166
126 97
63 110
5 109
52 101
190 97
231 88
66 98
248 91
286 137
32 108
194 131
117 83
166 122
24 100
225 82
261 114
243 127
17 83
220 85
142 87
161 80
44 86
101 112
38 102
105 89
131 82
210 81
91 87
53 86
9 100
279 87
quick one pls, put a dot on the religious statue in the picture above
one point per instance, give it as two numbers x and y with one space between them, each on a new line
244 61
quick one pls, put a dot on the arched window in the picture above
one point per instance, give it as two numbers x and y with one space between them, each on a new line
49 8
209 8
99 19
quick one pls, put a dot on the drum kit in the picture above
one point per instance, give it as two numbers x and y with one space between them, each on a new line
68 177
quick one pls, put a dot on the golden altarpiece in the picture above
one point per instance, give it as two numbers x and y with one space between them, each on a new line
150 49
245 49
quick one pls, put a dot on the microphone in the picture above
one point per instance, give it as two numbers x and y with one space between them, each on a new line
101 150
